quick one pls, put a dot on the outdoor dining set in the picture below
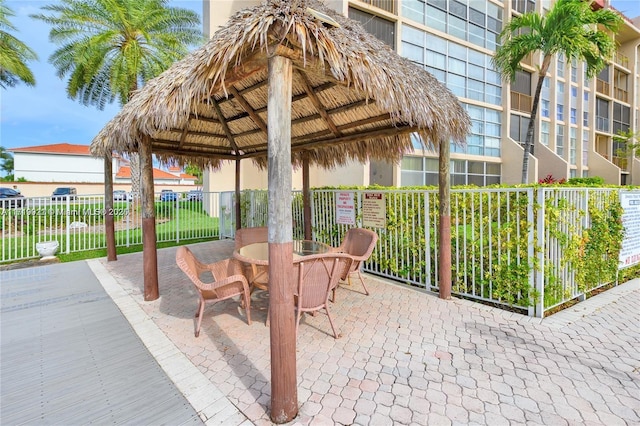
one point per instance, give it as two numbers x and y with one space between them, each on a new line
318 269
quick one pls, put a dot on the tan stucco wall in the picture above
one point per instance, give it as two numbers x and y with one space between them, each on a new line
512 154
550 164
216 13
600 166
635 172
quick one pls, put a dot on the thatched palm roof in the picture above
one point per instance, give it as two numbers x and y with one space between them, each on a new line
353 97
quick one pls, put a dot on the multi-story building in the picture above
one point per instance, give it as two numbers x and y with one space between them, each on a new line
455 41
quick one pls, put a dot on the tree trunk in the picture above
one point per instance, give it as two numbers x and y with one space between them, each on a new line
534 112
149 253
284 393
136 192
444 225
109 226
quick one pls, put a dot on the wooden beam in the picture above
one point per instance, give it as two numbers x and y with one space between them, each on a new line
284 395
249 109
185 131
316 102
444 224
149 253
225 127
388 131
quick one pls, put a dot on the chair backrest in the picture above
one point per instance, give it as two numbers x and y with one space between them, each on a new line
359 243
246 236
219 271
189 265
316 276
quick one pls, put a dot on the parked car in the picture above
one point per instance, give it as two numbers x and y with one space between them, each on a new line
121 195
168 195
62 193
194 195
10 198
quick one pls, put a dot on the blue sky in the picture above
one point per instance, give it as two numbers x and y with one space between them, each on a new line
43 114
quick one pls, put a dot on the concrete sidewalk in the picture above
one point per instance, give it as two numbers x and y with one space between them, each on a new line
406 357
69 356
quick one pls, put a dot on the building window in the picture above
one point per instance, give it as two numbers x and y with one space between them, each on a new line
467 72
585 147
574 71
574 116
382 28
480 23
486 131
544 133
560 64
560 140
560 101
544 108
518 128
585 109
621 118
602 115
421 171
573 141
523 6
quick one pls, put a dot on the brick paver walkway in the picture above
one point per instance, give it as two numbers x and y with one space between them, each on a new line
407 357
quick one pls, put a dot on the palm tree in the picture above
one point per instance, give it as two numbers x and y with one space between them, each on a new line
7 161
14 54
110 48
572 28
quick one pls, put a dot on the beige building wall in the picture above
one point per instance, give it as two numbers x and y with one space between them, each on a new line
604 168
216 13
512 169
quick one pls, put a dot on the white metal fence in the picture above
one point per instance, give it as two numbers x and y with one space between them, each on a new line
77 223
519 248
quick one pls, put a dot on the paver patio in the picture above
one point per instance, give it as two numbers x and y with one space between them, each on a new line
407 357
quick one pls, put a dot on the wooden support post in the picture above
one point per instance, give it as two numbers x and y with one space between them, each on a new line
306 196
284 393
149 253
444 226
109 226
238 209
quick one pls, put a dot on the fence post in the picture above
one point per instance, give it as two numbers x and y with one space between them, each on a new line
539 274
427 241
68 216
533 307
178 218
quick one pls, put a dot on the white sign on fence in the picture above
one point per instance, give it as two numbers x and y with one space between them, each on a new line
630 252
374 211
345 208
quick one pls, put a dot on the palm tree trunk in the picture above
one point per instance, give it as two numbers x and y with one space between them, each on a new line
534 112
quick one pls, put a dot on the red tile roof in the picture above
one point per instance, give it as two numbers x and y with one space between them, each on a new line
125 173
57 148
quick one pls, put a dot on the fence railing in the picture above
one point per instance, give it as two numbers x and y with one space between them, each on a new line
77 223
528 249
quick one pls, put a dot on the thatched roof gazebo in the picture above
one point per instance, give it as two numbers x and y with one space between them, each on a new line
289 81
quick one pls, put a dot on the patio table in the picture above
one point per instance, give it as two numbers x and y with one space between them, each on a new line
258 253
